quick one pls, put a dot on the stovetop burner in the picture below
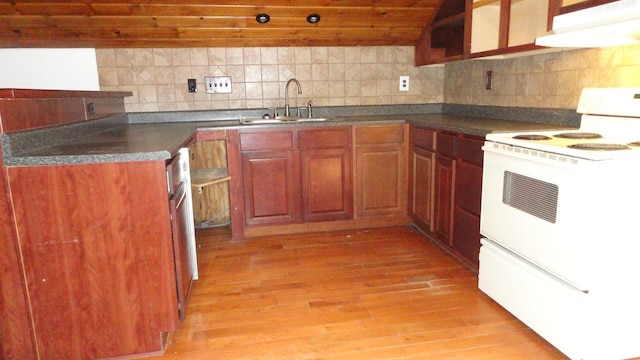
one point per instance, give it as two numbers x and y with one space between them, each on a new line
578 135
599 146
532 137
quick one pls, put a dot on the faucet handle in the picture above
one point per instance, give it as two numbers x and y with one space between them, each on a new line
275 112
309 110
298 112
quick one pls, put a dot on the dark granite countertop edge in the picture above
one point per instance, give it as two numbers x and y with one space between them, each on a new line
42 139
86 159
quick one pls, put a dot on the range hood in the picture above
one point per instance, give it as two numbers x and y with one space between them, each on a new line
612 24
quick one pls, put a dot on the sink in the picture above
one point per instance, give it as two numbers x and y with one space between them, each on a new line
280 120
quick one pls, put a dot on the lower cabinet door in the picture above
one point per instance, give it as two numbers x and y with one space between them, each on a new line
381 180
423 188
326 184
443 217
466 236
269 187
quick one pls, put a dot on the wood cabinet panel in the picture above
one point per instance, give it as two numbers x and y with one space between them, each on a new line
468 187
266 140
469 149
22 109
15 333
444 195
381 183
468 194
269 187
381 170
423 138
100 275
446 144
466 236
326 184
22 114
324 138
390 134
309 181
423 182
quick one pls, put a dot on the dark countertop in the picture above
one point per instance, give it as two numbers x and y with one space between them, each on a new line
125 141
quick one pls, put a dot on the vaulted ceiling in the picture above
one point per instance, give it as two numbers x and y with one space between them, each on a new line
210 23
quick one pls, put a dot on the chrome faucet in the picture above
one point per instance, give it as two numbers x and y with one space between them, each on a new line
287 112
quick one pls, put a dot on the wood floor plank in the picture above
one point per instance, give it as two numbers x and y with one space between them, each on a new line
386 293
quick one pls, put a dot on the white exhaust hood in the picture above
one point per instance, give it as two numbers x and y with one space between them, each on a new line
612 24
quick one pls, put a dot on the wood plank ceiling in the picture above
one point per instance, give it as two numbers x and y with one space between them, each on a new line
211 23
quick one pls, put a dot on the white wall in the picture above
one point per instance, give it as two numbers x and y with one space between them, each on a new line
49 69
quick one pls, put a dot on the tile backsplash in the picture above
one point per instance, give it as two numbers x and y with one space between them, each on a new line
330 76
552 80
334 76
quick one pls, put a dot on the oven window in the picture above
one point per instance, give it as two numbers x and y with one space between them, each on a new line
533 196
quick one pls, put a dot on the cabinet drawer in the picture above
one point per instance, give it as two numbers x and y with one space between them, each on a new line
266 140
323 138
470 150
424 138
393 134
445 144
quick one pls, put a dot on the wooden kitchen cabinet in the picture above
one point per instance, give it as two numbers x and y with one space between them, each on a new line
381 170
16 335
325 161
209 179
444 186
422 177
296 175
270 187
468 194
97 256
446 189
463 29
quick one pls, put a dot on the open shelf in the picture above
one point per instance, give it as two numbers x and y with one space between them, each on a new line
203 177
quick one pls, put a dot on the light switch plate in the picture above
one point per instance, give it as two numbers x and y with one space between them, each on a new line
217 84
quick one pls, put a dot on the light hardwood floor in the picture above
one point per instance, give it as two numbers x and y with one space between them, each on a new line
387 293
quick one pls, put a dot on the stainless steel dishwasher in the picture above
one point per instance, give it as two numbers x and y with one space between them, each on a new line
182 226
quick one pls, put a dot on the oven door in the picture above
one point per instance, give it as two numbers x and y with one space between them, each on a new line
539 206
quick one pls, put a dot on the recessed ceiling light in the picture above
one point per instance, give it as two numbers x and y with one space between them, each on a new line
313 18
263 18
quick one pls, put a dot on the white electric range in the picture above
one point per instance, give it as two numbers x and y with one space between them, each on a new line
559 213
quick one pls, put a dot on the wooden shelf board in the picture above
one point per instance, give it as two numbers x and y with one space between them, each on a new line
204 177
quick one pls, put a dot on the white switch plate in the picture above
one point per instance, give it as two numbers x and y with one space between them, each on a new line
217 84
404 83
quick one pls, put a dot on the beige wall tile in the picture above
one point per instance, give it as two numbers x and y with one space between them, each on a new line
552 80
217 56
162 57
328 76
180 57
143 57
105 57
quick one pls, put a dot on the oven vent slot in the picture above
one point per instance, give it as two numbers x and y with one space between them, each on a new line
533 196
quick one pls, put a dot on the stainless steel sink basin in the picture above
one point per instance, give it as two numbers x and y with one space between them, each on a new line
281 120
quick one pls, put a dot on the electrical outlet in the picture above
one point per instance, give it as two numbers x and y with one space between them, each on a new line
488 80
404 83
217 84
192 86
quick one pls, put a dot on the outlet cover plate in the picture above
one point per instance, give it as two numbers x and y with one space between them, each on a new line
404 83
217 84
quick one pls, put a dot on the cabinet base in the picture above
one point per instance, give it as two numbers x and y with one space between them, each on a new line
327 225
